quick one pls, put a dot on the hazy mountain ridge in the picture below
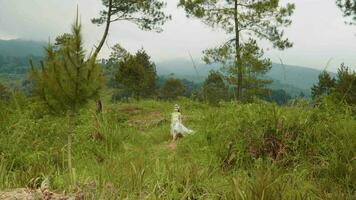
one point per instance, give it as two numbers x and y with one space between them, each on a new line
293 79
21 48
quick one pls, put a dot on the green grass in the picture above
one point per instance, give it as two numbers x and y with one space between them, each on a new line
239 151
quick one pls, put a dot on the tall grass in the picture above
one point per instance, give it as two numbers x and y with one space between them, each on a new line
239 151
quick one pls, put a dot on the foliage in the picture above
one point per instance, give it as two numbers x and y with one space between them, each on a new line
324 86
255 67
342 88
345 87
137 74
67 80
147 14
214 88
348 7
172 89
118 53
261 20
280 97
191 89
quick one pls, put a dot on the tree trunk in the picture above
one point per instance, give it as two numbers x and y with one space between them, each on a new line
99 106
238 54
105 35
71 123
106 32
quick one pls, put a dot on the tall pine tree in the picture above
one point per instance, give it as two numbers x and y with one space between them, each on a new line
136 75
214 88
172 89
324 86
66 79
345 87
243 20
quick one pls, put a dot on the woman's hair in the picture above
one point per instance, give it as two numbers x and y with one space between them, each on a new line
176 108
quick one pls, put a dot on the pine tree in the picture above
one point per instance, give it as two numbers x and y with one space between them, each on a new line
324 86
255 66
117 54
214 88
172 89
66 79
244 20
281 97
137 75
345 87
150 74
146 14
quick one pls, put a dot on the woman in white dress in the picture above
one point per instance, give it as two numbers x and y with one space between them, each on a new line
177 128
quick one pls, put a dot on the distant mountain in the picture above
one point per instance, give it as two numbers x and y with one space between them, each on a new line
21 48
181 67
293 79
301 77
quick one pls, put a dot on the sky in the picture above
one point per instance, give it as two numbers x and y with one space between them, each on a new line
318 31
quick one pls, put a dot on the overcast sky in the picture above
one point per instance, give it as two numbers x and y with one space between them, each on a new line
318 31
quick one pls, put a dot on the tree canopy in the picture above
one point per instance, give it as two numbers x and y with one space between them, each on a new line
345 87
172 89
348 7
324 86
146 14
214 88
245 20
67 80
136 74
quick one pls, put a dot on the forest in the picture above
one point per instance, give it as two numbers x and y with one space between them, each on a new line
75 125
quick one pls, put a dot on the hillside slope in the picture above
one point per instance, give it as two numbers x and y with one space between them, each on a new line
252 151
21 48
293 79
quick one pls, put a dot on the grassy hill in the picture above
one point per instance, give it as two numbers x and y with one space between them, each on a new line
252 151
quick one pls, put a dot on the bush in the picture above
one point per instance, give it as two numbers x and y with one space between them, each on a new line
214 88
172 89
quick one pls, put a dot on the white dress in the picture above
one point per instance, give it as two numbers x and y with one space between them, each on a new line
177 127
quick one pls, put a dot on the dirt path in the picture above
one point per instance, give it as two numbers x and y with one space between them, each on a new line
172 146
